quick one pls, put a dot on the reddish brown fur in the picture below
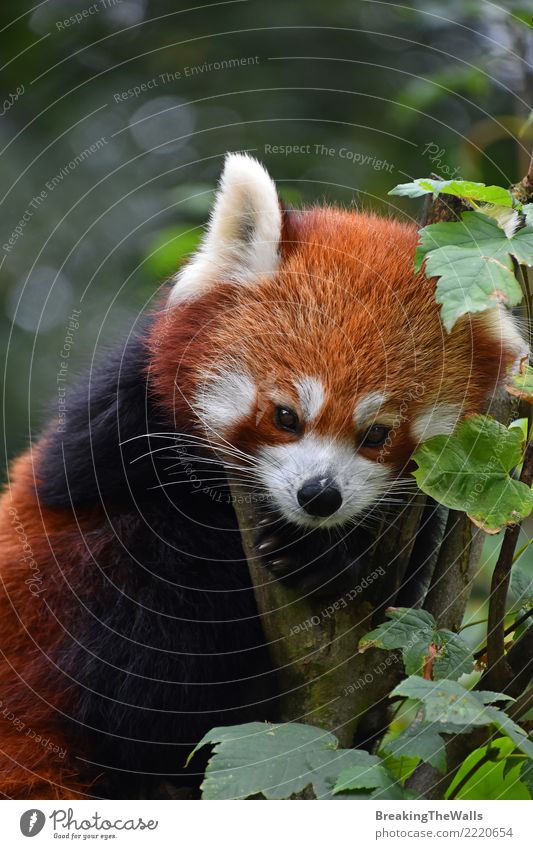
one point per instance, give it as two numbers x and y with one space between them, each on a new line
344 307
34 695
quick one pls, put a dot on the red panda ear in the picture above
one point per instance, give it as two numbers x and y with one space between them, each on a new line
242 240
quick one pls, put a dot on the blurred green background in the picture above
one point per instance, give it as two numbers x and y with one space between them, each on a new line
115 116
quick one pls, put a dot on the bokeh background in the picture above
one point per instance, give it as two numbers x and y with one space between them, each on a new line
115 116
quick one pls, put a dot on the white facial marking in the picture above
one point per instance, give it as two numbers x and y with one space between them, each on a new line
225 398
284 468
311 394
441 418
368 407
242 240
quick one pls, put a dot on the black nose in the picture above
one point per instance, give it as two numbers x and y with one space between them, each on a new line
319 497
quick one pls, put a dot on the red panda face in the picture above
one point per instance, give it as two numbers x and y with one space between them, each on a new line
312 357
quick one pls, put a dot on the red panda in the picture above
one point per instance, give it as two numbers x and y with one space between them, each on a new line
297 354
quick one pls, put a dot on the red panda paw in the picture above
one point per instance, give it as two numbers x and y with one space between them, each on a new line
310 561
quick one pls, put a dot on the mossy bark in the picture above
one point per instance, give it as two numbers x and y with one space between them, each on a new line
323 679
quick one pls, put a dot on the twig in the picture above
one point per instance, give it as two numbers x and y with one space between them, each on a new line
508 630
498 672
521 706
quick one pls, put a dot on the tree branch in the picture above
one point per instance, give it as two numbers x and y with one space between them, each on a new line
499 674
509 630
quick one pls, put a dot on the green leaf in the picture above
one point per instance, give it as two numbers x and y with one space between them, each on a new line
420 740
366 773
401 767
470 283
526 776
459 188
445 234
457 709
472 258
469 471
521 588
496 779
422 643
252 758
527 210
506 218
454 657
521 246
521 629
506 725
489 696
445 702
274 760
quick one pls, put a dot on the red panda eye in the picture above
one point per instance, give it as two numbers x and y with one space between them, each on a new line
286 419
375 436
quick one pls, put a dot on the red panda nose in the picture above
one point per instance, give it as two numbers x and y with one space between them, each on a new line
319 497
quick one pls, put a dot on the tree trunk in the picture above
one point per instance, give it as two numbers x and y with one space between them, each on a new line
322 677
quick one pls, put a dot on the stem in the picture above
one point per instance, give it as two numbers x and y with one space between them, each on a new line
471 624
521 706
507 631
497 670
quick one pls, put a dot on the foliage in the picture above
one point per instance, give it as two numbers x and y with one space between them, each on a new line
493 771
459 188
426 649
470 471
279 761
522 588
420 740
452 708
473 260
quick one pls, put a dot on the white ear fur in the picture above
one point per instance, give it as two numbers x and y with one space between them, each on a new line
242 240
